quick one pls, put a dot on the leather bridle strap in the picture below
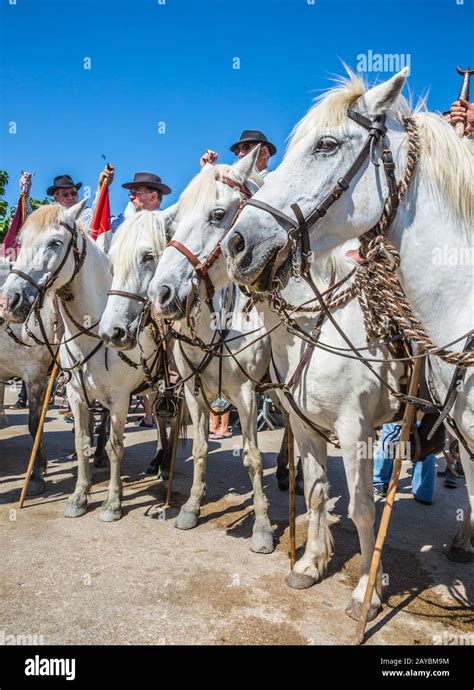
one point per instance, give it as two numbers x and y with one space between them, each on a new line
42 288
377 131
236 185
130 295
201 268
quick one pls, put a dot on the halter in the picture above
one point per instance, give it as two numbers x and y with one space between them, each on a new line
300 225
79 258
201 268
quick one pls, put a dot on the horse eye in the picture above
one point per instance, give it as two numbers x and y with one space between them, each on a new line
218 214
55 243
149 256
326 144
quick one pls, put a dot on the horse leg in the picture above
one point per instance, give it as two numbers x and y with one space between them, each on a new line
3 416
160 435
100 455
76 504
462 547
110 509
36 391
167 449
318 551
282 458
189 513
262 535
282 474
359 471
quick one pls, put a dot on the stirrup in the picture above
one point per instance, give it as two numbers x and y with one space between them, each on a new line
166 407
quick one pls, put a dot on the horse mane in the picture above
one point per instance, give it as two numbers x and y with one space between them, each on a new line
42 219
201 192
446 162
145 225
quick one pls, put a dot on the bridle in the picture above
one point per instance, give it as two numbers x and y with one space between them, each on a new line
202 267
300 225
64 290
79 258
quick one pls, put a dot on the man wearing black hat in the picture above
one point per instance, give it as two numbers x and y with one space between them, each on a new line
249 139
146 194
66 193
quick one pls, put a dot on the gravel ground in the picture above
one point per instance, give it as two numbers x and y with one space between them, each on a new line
140 580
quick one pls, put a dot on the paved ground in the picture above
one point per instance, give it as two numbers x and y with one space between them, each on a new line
140 580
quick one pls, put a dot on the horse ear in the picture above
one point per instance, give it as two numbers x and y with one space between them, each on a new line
246 165
378 99
73 213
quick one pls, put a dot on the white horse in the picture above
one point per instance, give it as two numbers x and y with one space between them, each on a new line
66 258
134 253
209 196
22 356
336 394
432 230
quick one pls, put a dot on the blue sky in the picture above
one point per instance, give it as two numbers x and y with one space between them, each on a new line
171 61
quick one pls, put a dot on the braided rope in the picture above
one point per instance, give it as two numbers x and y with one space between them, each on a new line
384 304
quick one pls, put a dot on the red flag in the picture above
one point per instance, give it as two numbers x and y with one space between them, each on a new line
101 220
11 238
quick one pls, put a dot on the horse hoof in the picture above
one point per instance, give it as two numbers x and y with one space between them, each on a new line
110 514
355 607
262 542
36 487
75 510
458 555
100 461
300 581
186 520
299 489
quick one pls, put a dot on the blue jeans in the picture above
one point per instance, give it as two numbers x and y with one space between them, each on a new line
424 473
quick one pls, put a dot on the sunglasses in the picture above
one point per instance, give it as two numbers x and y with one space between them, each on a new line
245 148
64 195
134 192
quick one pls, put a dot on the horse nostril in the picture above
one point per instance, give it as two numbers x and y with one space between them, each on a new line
14 301
118 335
237 243
164 296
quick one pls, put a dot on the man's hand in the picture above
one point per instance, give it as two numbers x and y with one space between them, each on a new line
208 157
462 111
107 175
25 182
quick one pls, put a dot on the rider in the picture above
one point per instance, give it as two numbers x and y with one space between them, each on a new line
66 193
146 193
463 111
249 139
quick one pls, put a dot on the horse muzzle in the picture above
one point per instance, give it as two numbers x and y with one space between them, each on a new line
259 266
13 306
118 338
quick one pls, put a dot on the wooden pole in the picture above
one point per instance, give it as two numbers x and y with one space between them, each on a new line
174 449
408 417
39 432
291 471
44 409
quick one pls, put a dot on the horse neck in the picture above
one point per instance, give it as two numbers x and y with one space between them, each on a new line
89 287
435 248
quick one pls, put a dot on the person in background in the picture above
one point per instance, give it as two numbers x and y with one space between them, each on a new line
423 479
249 139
